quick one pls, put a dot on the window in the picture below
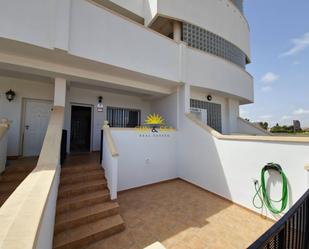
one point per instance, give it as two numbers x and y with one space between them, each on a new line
123 118
209 42
214 117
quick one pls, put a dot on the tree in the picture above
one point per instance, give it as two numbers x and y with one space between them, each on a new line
264 125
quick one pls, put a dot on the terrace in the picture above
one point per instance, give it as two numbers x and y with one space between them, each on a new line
175 213
180 215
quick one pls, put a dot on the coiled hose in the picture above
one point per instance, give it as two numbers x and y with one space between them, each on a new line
265 198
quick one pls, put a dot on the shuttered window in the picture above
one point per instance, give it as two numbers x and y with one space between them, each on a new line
123 117
214 116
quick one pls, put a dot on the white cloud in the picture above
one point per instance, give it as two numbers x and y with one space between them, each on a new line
286 117
300 111
266 116
269 78
266 88
299 44
243 113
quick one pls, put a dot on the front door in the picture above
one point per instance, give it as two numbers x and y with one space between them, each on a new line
36 118
80 128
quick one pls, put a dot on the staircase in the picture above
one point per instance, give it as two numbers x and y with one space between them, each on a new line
85 214
12 177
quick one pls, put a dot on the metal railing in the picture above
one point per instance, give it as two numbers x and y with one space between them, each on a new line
291 231
63 153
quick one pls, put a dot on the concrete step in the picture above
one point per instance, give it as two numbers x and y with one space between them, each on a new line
86 234
71 219
81 188
81 177
14 177
6 188
18 169
3 198
83 200
79 169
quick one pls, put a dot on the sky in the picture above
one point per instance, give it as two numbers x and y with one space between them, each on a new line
279 61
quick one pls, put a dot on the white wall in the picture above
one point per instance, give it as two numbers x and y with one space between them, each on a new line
219 17
44 91
30 21
228 168
133 168
113 40
45 234
233 114
167 107
214 73
110 165
90 97
245 127
13 110
135 6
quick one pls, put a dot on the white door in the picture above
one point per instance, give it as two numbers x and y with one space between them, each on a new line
37 113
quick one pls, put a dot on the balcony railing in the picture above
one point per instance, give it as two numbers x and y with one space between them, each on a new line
292 231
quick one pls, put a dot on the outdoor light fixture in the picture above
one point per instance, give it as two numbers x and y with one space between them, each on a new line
209 97
10 95
100 105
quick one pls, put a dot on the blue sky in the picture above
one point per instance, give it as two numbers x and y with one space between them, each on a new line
280 61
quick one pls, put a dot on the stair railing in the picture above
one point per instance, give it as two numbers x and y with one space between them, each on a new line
110 160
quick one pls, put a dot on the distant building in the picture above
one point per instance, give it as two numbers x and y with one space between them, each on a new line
296 125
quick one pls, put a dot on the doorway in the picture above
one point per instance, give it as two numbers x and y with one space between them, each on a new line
35 122
80 139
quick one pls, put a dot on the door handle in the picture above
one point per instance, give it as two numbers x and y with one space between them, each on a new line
27 127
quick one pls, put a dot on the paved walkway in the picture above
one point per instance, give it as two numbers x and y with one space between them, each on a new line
180 215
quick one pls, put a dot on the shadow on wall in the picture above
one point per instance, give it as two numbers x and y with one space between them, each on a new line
198 159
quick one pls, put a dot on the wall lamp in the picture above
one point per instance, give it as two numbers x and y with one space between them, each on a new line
10 95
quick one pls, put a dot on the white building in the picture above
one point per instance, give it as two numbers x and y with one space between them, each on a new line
121 60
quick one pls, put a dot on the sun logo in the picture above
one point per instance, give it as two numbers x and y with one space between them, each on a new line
154 119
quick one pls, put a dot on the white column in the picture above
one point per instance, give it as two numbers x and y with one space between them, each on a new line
184 99
60 92
232 114
177 31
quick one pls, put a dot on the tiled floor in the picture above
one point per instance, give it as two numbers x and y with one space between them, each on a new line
15 172
180 215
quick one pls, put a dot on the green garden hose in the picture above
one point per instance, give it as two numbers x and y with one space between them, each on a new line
265 198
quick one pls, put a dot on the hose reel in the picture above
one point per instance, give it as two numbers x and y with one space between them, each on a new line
265 197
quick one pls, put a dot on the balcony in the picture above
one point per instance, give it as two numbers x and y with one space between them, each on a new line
219 17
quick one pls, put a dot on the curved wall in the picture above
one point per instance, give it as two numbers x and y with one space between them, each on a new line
219 17
209 42
213 73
